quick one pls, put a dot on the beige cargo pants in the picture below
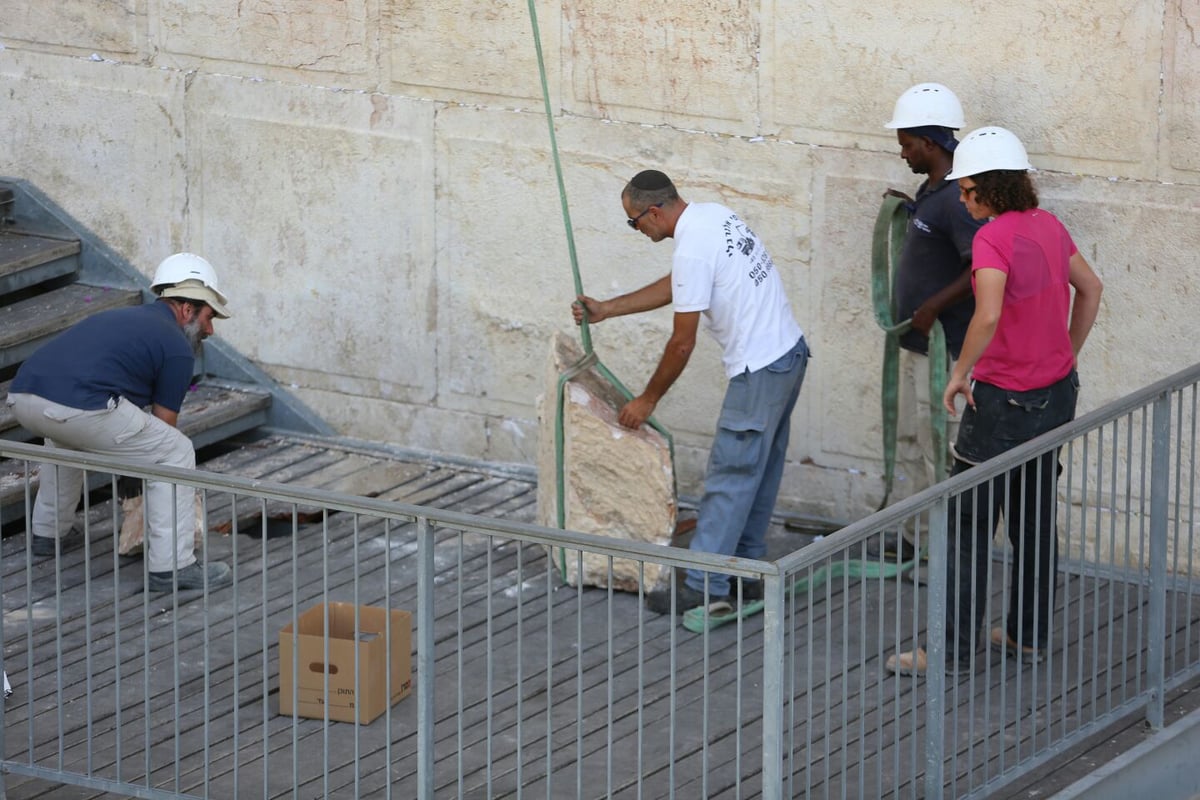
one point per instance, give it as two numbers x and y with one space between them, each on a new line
122 430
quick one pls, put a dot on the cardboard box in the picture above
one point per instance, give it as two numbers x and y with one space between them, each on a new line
370 644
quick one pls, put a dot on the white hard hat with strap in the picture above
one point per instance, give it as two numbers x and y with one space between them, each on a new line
189 276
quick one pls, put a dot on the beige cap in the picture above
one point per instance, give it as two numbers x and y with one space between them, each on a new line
193 289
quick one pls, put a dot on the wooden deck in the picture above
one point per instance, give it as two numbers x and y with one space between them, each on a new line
500 615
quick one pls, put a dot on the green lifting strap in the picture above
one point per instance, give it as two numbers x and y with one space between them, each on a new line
886 244
590 358
702 618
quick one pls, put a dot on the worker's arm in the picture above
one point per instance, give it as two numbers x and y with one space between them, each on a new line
651 296
1087 301
674 358
960 229
989 302
166 415
949 295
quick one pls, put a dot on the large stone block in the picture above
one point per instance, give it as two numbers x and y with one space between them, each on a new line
1118 539
309 35
1141 239
616 482
837 88
103 140
458 51
418 427
1181 83
110 27
681 64
316 198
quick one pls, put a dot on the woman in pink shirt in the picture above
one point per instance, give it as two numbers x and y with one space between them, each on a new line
1017 374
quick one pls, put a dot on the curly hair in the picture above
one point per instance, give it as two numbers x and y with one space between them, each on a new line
1005 190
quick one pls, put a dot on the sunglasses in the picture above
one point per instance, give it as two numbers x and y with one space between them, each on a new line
633 221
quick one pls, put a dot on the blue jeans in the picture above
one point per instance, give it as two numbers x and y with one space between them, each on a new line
746 464
1026 495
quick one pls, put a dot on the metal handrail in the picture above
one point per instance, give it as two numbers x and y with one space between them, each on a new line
836 542
389 509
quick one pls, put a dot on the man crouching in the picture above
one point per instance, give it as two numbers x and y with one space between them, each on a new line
85 390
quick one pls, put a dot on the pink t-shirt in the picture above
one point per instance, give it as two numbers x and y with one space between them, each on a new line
1031 348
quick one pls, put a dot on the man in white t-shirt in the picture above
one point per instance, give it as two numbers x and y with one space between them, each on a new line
720 271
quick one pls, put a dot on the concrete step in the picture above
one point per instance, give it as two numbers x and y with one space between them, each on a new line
27 324
27 259
213 412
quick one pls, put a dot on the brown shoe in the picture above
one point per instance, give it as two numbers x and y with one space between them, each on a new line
910 663
915 662
1030 655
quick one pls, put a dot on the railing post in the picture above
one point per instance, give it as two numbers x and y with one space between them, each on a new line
425 659
935 651
1156 624
773 699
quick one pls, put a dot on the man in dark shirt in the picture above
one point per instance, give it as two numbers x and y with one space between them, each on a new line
933 278
85 390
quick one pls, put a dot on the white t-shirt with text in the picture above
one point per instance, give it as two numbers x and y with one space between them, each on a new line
721 268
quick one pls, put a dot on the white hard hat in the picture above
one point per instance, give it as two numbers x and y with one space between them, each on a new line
183 274
927 104
987 149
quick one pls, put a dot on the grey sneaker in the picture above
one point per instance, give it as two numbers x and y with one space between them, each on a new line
44 545
659 600
193 576
752 589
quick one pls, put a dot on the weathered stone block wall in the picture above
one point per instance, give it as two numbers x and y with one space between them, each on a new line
374 180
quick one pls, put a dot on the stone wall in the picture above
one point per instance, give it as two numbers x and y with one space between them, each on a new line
373 178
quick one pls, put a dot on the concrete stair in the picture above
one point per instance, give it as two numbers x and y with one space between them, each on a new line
47 284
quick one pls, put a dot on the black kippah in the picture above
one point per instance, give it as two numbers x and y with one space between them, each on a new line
650 180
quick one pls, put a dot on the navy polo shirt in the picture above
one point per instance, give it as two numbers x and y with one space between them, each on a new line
937 249
139 353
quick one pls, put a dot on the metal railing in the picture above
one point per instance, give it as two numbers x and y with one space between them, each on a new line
1123 629
523 686
520 684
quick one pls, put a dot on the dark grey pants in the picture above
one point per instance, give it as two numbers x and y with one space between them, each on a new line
1026 496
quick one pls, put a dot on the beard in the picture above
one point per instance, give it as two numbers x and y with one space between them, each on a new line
194 336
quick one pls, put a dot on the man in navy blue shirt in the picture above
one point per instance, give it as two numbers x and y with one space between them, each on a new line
933 278
85 390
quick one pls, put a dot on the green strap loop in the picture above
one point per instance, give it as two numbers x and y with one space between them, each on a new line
939 366
702 618
886 244
589 359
